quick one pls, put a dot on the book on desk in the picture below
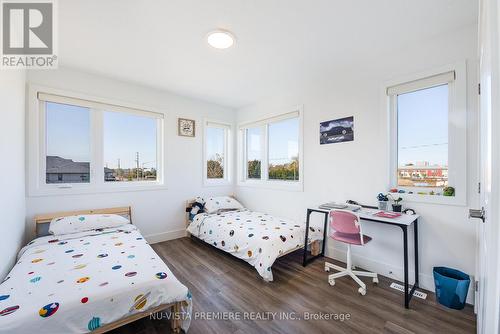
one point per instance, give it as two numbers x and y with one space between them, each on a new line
340 206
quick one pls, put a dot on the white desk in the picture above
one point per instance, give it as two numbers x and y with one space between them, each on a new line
367 214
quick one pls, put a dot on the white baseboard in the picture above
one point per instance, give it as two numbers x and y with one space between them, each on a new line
165 236
426 281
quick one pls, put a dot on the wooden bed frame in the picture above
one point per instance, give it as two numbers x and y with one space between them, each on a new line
315 249
123 211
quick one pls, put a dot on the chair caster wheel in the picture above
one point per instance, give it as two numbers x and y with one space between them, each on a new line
375 280
327 269
331 282
362 291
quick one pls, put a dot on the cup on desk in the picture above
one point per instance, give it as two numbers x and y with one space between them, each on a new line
382 205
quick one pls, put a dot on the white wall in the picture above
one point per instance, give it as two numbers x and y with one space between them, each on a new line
359 170
159 214
12 148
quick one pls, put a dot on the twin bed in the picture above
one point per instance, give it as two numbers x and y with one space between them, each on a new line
96 272
255 237
89 281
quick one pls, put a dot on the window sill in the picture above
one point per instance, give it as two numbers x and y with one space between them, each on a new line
216 183
276 185
432 199
92 189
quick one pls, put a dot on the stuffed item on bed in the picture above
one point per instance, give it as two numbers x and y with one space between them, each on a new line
197 207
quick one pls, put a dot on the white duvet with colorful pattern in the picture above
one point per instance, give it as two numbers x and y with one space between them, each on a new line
255 237
75 283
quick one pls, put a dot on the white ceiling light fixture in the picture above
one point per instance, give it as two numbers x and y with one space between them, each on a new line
220 39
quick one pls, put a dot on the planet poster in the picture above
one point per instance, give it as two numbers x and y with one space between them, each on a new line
336 131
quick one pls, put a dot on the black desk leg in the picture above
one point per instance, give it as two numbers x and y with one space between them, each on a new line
405 246
325 226
307 237
415 232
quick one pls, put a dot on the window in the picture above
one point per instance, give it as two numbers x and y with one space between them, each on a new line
271 152
428 136
423 137
92 146
68 143
254 152
130 150
284 150
216 166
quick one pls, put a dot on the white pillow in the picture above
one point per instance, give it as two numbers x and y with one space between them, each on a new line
215 204
80 223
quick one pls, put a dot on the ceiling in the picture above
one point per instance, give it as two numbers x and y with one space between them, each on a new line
162 43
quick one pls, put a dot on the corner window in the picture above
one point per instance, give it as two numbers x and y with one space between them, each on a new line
428 137
92 146
216 153
271 152
254 150
284 150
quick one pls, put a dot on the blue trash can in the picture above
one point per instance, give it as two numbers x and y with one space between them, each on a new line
451 287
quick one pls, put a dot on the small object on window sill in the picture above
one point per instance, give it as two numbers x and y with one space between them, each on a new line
449 191
401 191
393 190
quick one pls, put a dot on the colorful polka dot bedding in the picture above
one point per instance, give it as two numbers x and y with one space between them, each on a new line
81 223
255 237
80 282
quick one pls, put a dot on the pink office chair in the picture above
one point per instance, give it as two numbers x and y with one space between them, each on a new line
345 226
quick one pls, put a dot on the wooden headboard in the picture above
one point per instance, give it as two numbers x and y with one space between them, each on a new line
46 218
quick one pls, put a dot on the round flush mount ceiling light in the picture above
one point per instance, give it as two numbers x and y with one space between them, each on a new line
220 39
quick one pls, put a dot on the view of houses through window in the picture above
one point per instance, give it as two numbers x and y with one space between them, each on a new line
129 145
422 118
67 143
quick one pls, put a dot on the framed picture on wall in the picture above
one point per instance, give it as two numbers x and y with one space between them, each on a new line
336 131
186 127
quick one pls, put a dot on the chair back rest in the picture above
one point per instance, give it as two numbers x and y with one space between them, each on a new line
345 221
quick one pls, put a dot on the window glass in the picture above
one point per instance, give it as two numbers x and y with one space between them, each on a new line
254 152
422 118
130 147
283 160
68 143
215 151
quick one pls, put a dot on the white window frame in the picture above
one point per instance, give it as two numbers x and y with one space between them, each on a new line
264 182
457 130
227 127
36 149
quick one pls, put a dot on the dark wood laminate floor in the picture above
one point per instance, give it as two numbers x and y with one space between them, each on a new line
222 283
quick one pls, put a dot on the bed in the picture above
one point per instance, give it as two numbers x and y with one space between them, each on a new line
91 281
255 237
